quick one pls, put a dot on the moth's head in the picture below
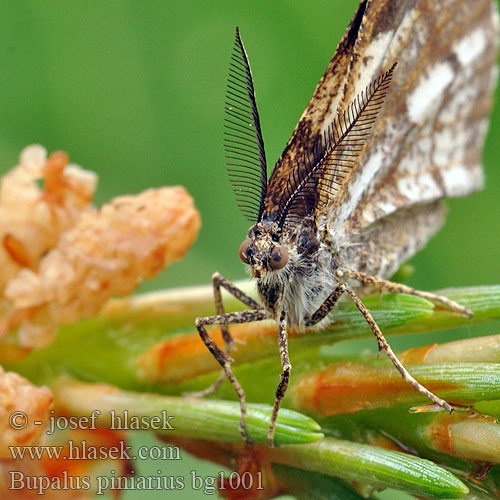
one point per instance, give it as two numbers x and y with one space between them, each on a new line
263 251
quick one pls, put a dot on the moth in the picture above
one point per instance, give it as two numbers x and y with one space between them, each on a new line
395 125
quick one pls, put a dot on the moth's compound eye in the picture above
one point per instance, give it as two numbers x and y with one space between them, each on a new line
279 257
242 251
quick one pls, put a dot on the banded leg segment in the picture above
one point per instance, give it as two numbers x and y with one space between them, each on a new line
383 345
390 286
219 281
322 311
284 378
223 358
327 305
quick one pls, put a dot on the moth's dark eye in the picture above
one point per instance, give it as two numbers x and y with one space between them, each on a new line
242 252
279 257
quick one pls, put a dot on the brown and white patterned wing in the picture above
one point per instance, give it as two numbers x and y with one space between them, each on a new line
428 137
317 116
380 248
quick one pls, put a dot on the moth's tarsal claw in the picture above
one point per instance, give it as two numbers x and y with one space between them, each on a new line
461 310
442 403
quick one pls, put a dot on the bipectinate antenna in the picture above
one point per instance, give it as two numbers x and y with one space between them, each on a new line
243 143
325 169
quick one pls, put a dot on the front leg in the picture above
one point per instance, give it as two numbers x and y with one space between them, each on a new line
322 311
219 281
224 359
327 306
284 378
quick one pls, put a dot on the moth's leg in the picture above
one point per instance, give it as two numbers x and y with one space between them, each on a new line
390 286
284 379
219 281
224 359
322 311
384 345
210 389
327 305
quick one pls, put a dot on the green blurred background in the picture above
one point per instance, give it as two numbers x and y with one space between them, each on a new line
134 91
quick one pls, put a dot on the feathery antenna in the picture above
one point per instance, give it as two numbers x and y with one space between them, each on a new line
323 170
243 143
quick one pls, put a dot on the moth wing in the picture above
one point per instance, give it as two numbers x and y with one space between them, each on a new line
427 140
317 116
429 135
380 248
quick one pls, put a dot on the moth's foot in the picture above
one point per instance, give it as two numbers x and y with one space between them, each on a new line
209 390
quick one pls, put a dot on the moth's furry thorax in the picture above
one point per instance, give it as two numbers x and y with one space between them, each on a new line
302 285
